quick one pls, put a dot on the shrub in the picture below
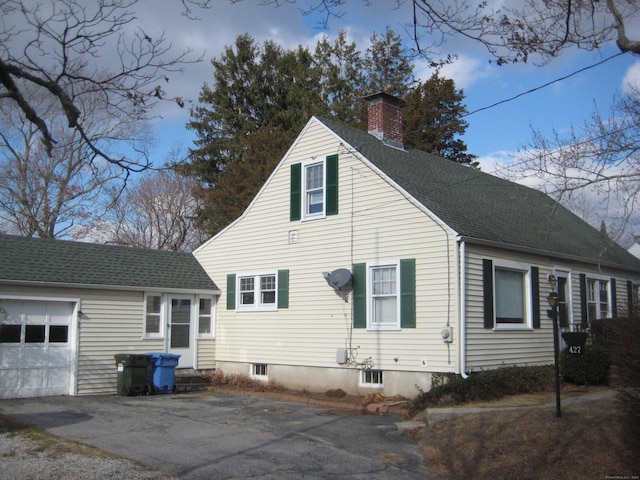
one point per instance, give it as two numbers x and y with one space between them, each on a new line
243 382
592 367
486 385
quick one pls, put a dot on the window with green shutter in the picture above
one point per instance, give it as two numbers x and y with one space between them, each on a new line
314 189
258 292
384 295
505 287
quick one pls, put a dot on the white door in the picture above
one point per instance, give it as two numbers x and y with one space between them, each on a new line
36 352
181 332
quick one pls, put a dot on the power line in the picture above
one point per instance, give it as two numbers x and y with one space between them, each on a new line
543 86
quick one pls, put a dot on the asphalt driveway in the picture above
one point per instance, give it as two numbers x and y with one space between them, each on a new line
219 436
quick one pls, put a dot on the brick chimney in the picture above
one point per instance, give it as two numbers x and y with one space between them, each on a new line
385 118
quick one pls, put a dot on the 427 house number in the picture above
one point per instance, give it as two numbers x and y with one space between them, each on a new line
576 350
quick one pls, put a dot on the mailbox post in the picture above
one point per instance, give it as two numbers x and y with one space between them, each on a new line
554 301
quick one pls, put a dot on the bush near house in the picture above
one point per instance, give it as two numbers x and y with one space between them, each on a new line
591 367
486 385
621 339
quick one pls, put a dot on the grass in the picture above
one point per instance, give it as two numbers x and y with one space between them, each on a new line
532 444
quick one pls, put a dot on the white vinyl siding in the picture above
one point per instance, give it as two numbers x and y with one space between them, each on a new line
112 321
375 221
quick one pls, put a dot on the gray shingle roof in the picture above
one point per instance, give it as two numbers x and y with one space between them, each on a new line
48 261
487 209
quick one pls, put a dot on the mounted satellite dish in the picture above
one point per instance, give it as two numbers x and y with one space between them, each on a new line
340 280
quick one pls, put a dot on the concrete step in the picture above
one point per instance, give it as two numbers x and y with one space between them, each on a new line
189 380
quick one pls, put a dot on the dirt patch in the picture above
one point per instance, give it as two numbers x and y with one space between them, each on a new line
585 443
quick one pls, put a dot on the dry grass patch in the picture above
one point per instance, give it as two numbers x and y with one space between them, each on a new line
531 444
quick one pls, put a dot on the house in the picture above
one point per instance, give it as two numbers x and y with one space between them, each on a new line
66 308
369 267
635 248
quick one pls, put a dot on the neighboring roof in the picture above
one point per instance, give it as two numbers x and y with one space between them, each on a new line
486 209
59 262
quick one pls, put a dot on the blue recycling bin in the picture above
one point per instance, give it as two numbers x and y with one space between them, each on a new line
163 371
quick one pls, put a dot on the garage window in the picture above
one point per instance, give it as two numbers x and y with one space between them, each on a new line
58 334
10 333
34 334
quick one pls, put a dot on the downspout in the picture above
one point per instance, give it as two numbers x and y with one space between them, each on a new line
463 309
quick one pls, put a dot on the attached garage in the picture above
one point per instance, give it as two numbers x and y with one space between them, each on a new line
66 308
37 348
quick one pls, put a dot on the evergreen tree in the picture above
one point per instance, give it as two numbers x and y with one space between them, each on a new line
433 119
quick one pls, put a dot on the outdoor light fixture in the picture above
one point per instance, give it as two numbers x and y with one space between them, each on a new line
554 301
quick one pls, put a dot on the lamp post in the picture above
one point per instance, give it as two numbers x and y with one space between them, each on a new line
554 301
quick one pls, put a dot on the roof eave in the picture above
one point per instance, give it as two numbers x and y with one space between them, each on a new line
547 253
87 286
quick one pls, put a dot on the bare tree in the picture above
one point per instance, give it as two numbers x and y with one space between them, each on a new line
70 49
51 193
528 30
513 31
158 211
595 169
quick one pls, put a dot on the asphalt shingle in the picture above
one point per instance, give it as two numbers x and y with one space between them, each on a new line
484 208
48 261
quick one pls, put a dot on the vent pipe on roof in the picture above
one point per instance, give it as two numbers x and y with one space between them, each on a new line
385 118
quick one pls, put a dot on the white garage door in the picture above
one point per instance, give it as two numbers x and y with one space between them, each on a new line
36 351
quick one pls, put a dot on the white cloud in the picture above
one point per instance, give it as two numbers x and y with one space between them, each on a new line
631 78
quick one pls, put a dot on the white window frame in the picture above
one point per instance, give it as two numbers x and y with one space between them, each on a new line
259 371
210 314
598 281
161 316
371 323
306 215
566 274
258 305
525 271
371 378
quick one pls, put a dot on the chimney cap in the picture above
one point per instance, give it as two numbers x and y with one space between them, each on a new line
395 101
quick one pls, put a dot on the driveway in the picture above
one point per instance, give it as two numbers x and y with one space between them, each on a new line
219 436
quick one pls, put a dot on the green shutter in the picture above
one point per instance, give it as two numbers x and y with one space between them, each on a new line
295 200
630 311
487 290
231 291
584 306
614 301
283 288
535 296
408 293
332 185
359 272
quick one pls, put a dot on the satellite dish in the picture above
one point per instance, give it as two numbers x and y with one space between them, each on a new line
340 279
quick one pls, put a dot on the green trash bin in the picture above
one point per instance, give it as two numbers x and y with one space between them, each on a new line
134 374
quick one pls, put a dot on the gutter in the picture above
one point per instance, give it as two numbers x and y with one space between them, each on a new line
88 286
546 253
463 308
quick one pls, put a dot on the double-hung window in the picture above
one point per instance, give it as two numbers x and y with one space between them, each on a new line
384 296
314 190
257 292
597 299
153 316
511 295
205 317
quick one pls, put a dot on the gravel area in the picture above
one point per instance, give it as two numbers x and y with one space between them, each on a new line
25 459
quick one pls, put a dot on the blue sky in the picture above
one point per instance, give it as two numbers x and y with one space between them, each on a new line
494 135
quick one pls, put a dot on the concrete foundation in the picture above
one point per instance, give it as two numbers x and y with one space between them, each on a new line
321 379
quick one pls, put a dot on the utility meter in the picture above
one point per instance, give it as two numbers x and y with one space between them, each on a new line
447 334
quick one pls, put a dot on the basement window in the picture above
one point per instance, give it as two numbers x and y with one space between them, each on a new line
371 378
259 371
